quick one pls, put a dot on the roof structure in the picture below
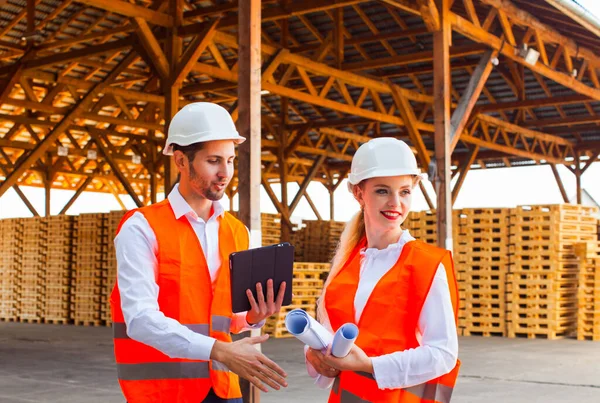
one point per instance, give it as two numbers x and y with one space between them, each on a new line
87 84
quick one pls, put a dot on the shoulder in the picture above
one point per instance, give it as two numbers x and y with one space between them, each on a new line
426 250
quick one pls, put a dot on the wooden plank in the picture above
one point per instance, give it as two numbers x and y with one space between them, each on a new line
430 14
152 47
193 52
512 128
462 113
132 10
441 107
534 103
510 150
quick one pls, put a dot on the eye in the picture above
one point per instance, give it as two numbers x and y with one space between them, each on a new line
213 161
381 191
405 192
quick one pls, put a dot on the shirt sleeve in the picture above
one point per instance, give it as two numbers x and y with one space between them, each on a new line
239 323
438 350
321 381
137 268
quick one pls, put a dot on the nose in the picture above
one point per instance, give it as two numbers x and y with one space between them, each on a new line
223 172
394 200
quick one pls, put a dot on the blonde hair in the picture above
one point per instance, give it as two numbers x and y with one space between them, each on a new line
354 231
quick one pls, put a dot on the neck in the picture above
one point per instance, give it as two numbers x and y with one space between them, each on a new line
381 240
201 205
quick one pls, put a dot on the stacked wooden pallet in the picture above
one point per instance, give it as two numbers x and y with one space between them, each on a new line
110 269
588 297
543 279
320 239
59 261
11 245
33 270
422 225
481 259
307 287
270 228
88 269
297 239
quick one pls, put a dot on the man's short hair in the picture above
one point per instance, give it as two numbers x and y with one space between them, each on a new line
189 150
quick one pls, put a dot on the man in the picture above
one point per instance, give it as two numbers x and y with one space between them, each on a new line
171 306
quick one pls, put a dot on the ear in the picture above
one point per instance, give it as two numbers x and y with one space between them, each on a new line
357 192
180 160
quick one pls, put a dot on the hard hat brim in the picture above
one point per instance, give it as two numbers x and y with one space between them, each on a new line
381 173
168 150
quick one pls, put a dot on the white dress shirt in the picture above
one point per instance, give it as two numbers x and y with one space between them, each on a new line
137 267
437 335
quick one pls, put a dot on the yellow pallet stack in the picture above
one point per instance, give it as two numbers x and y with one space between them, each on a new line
308 283
588 297
481 261
59 262
33 270
543 280
110 269
11 244
270 228
320 239
88 269
422 225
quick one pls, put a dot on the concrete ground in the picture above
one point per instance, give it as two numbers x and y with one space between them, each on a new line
54 363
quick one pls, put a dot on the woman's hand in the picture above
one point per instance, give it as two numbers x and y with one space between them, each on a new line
356 360
262 309
316 359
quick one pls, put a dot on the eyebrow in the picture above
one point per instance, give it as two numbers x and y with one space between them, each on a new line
219 156
387 187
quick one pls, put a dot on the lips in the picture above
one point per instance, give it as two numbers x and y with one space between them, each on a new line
391 215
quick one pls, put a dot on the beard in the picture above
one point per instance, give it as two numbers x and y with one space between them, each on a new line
205 186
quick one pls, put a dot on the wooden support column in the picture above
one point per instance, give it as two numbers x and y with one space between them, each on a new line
331 202
466 166
249 126
441 106
561 187
578 174
47 192
171 86
426 196
283 170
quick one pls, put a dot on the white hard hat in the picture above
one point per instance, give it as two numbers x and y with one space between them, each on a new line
199 122
383 156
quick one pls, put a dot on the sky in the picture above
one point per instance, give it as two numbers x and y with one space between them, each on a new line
501 187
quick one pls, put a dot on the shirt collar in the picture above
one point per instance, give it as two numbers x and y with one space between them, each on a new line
181 207
405 237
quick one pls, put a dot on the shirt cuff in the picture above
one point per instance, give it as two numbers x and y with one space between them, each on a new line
382 372
239 323
201 347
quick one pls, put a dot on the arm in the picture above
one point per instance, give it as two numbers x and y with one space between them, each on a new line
438 351
239 323
136 247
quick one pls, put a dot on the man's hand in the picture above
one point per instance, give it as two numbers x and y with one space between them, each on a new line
316 359
242 358
263 309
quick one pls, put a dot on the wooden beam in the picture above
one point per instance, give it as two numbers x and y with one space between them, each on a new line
79 191
561 187
426 196
468 29
464 169
117 171
566 121
578 173
267 186
309 177
462 113
510 150
512 128
534 103
441 107
430 14
26 201
592 159
152 47
131 10
193 52
313 207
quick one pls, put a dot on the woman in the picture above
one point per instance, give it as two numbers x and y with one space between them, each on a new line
401 293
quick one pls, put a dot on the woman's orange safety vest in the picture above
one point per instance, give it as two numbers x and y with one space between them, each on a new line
389 321
187 295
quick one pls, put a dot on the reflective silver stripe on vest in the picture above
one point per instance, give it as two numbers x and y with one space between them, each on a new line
336 385
365 374
221 323
163 370
219 366
432 391
348 397
120 329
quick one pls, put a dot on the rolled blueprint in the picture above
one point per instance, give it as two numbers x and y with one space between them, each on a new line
310 332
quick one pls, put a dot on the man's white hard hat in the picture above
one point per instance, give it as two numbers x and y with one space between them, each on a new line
382 157
199 122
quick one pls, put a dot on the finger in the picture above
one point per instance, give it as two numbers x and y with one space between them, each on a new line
252 301
280 295
267 377
270 296
261 297
258 339
272 366
256 382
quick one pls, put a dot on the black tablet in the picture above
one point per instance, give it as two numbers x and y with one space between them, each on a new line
258 265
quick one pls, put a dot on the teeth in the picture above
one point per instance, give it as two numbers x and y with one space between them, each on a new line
391 215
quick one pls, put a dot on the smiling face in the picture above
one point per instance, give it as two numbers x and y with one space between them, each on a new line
210 171
386 202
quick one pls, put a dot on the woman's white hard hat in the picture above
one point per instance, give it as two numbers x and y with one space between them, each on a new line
383 157
199 122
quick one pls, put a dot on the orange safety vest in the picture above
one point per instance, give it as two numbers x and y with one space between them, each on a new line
186 294
389 321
